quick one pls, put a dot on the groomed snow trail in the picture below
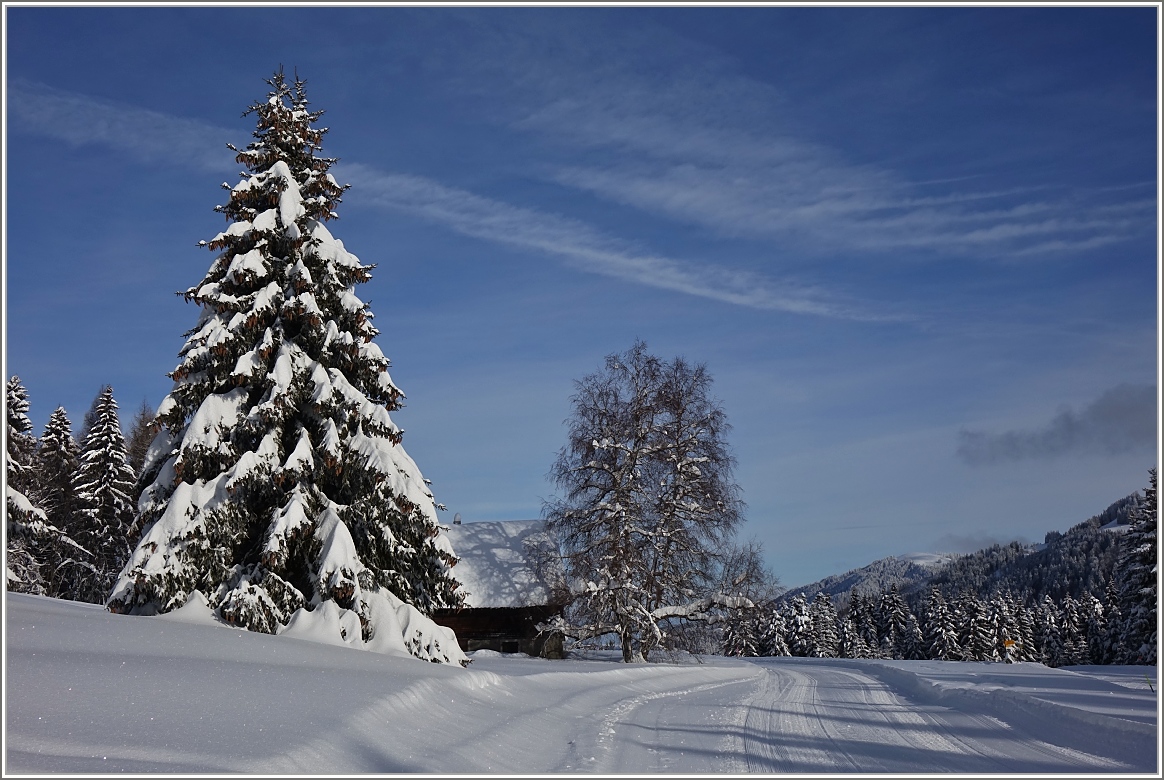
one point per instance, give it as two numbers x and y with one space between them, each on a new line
820 716
87 691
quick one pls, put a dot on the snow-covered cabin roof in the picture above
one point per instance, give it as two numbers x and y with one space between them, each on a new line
498 564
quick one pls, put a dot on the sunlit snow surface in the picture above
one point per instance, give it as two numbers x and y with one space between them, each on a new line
496 568
87 691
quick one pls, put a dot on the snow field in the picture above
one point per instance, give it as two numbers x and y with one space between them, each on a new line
89 691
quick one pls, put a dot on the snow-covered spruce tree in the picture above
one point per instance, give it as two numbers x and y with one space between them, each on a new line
1096 628
913 643
54 469
824 642
649 506
1074 631
1114 622
36 548
1004 627
977 631
740 635
1048 635
1137 582
277 482
1025 648
773 632
798 627
892 616
104 487
941 637
861 610
25 520
852 643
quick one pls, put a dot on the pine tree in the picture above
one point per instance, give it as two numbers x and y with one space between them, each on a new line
913 643
1096 629
141 434
823 640
773 635
1004 628
799 627
1073 629
36 548
55 469
892 617
1025 623
1137 587
21 442
941 637
1115 623
277 480
740 636
853 645
26 522
975 632
90 418
104 484
861 611
1048 636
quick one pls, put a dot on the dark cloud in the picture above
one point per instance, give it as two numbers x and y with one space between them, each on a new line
1121 420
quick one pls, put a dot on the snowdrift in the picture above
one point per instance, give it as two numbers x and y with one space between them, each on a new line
401 629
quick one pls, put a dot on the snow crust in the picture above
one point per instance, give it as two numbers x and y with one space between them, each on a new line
92 692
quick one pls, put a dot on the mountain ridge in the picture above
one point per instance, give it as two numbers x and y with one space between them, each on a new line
1080 559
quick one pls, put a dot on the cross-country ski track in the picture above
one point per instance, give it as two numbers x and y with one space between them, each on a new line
87 691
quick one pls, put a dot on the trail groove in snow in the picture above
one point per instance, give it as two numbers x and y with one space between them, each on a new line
828 716
90 692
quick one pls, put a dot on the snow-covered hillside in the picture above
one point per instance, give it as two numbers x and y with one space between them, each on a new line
880 575
88 691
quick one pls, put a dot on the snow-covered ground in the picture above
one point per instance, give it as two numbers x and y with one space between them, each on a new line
87 691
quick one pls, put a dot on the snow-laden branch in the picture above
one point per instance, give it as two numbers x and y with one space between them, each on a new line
701 609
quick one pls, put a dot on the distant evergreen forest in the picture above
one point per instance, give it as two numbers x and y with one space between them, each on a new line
1079 561
1085 596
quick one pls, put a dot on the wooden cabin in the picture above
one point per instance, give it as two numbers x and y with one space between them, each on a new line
512 582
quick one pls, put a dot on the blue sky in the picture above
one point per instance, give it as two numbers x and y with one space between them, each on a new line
917 248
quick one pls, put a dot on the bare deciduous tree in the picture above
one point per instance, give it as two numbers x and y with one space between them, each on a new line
650 505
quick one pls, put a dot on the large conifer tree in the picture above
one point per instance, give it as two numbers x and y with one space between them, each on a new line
277 480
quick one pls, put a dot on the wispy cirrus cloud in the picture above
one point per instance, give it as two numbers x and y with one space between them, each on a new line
81 120
1121 420
585 248
151 136
739 185
677 129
